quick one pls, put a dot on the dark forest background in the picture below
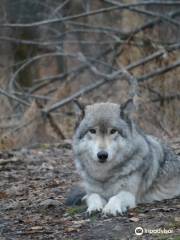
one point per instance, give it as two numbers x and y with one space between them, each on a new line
52 52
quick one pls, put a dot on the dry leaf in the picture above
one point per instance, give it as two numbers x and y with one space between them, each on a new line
134 219
177 219
36 228
3 195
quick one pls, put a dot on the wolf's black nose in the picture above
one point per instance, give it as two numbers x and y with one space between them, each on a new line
102 155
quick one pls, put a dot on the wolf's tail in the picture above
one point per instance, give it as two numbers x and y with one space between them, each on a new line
75 195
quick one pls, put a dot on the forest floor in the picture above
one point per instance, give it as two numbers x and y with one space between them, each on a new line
33 188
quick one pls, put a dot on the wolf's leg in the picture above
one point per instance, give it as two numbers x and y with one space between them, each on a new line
94 202
119 203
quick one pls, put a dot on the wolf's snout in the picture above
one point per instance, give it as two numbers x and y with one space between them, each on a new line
102 156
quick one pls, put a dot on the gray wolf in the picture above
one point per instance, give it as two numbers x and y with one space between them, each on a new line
120 165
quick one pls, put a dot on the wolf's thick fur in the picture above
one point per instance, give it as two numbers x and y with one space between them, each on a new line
139 168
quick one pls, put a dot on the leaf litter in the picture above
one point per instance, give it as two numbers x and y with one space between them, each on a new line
34 184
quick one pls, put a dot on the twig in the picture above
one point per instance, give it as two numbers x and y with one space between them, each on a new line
102 10
54 43
74 96
56 20
29 42
155 55
159 71
48 80
27 95
123 35
33 59
102 29
73 72
55 126
148 13
140 62
110 77
60 7
14 97
166 98
131 79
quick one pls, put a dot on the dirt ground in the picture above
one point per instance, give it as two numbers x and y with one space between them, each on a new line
33 188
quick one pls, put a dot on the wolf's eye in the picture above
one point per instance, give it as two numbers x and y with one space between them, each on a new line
113 131
92 131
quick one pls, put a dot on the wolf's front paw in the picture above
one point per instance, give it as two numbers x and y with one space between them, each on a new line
95 203
119 203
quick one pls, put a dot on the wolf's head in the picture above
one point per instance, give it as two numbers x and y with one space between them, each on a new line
105 134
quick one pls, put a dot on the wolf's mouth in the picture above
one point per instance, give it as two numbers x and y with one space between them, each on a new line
102 160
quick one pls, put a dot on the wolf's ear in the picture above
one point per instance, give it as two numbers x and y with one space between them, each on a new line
126 109
81 107
80 113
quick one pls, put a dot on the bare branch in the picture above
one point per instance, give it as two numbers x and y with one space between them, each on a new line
159 71
14 97
114 76
148 13
56 20
33 59
55 126
74 96
118 5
